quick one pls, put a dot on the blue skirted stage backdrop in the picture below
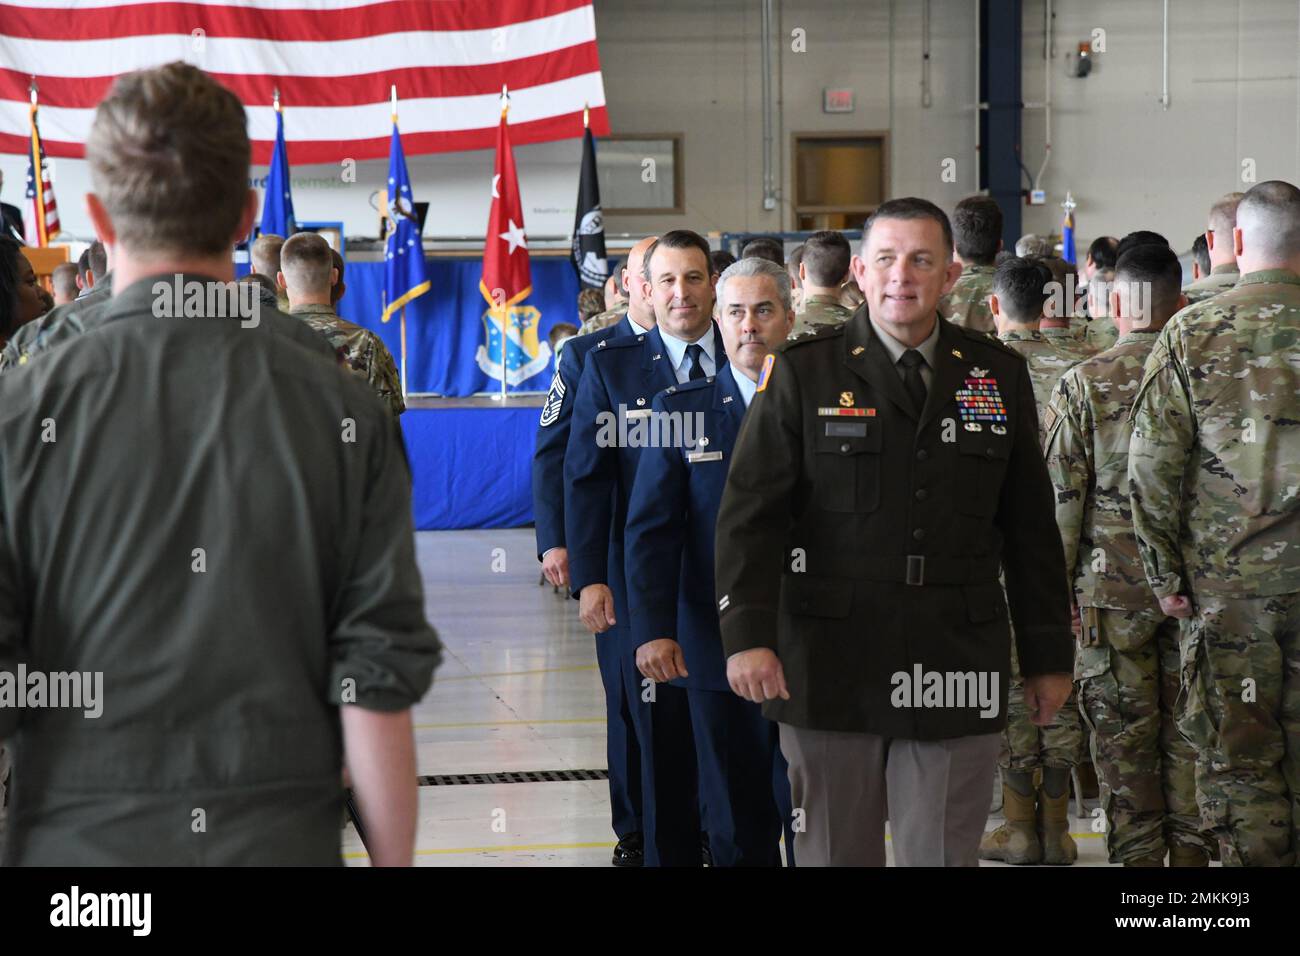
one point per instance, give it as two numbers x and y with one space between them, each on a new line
471 466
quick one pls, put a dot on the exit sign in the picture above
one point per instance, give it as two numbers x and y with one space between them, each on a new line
837 101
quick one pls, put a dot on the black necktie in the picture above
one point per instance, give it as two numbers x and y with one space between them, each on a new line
912 360
693 352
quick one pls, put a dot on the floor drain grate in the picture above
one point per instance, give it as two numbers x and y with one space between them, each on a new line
512 776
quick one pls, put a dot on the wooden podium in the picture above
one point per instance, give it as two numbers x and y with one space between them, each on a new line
44 260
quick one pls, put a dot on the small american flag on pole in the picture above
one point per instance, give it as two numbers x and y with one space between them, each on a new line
42 213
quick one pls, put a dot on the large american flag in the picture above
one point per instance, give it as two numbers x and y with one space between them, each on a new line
333 61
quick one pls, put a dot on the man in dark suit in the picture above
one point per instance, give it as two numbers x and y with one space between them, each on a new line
885 472
610 418
670 524
548 510
11 217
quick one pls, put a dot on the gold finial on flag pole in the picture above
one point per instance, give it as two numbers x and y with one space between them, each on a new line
275 99
32 89
394 94
505 100
586 116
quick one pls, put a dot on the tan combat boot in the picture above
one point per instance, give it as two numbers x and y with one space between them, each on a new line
1054 829
1016 841
1188 856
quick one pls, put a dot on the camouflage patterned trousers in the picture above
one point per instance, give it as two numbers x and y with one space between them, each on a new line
1025 745
1240 705
1128 684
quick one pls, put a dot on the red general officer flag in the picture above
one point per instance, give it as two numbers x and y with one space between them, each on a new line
506 276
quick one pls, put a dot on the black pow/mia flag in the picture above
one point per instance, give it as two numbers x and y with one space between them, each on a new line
588 223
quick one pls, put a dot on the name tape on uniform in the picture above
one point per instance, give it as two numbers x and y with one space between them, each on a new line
694 456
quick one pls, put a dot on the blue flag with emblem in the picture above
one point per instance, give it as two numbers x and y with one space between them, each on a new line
277 205
405 277
1067 230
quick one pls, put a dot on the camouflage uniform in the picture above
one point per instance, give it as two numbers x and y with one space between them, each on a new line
819 312
604 320
1100 334
1026 746
1221 279
967 304
1127 665
1071 342
1214 468
360 350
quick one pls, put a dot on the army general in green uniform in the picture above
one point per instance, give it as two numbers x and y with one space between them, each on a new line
1214 471
885 472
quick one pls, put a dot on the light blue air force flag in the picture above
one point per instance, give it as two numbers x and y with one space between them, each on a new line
277 206
404 273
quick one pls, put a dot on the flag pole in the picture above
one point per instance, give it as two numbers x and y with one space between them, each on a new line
505 310
38 174
402 326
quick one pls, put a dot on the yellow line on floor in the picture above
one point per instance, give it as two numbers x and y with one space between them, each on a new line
517 848
511 723
540 670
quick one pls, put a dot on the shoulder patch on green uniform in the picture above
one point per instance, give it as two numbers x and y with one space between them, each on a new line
766 374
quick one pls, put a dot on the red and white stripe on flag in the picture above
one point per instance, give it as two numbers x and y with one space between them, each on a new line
334 65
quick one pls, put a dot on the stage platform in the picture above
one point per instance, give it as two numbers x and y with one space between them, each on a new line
471 460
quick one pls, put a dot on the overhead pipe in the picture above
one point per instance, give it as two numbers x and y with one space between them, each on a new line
769 185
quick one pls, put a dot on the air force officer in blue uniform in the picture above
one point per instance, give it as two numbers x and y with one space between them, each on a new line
671 518
610 417
548 509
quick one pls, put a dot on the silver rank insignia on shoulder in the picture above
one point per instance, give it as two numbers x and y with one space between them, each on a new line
974 427
998 429
640 401
978 372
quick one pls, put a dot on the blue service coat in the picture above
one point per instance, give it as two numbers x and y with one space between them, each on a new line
621 377
553 435
670 527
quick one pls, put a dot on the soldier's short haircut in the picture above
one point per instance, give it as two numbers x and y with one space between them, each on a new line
1032 244
792 264
977 228
765 247
1201 251
96 259
1021 285
306 261
909 207
1142 237
754 266
616 273
721 258
591 302
1223 215
265 254
679 239
83 265
1155 274
826 257
1003 256
1269 219
266 283
338 288
169 155
64 279
1102 252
